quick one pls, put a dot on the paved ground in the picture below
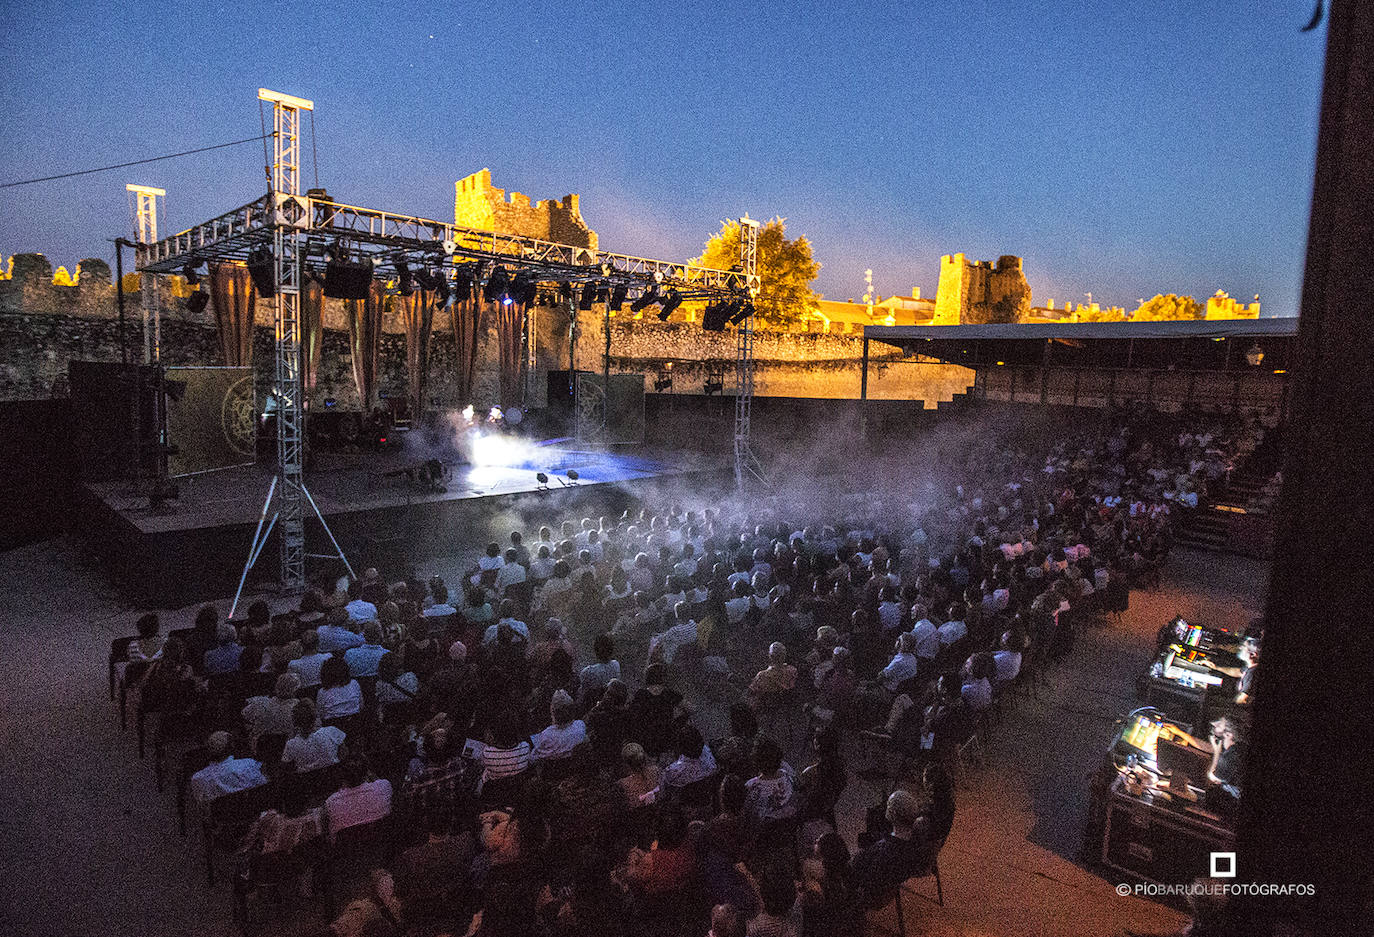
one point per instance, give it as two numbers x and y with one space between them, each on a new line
87 845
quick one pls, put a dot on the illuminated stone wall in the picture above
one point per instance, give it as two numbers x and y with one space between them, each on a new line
976 292
478 204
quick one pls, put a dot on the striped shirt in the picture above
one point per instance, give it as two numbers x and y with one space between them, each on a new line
505 762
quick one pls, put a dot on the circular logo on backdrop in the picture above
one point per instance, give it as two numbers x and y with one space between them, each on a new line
237 418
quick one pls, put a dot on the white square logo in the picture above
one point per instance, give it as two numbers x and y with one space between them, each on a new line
1223 865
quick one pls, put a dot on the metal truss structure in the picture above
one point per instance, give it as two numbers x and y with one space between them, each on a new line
145 232
300 231
746 462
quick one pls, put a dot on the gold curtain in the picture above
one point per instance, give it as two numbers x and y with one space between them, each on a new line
510 330
312 335
417 314
231 290
365 341
468 323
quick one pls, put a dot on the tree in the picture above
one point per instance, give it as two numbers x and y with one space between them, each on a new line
785 269
1112 314
1167 308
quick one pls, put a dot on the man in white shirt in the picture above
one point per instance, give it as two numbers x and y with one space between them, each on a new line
273 713
686 567
510 574
359 801
953 630
307 666
564 733
693 763
441 605
903 665
738 607
507 618
359 610
924 631
313 746
225 774
1008 657
664 647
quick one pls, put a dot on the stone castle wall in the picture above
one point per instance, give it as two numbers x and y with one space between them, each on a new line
977 292
478 204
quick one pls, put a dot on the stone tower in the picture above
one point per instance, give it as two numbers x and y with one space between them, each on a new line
976 292
477 204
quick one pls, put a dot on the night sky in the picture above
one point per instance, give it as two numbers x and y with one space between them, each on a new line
1122 149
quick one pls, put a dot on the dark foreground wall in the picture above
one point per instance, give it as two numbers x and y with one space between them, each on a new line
37 469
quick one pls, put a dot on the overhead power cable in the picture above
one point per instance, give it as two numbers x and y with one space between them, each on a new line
136 162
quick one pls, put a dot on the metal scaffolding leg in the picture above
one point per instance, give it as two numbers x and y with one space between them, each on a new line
746 462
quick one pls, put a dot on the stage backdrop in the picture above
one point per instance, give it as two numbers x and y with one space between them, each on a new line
625 410
212 425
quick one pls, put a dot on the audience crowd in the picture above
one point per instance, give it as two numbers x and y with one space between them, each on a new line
528 741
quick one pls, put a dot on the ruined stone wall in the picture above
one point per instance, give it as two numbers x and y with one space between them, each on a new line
976 292
478 204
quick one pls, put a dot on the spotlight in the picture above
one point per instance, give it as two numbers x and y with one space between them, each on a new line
746 309
407 279
588 296
197 302
618 295
524 289
496 284
647 299
716 314
189 272
347 279
670 304
565 294
262 269
542 479
572 475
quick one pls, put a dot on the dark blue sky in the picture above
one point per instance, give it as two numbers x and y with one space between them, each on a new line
1123 149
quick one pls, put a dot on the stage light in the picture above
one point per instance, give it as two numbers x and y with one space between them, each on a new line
197 302
496 284
647 299
746 309
524 289
262 268
714 317
542 479
189 272
406 279
442 294
588 296
347 279
618 295
572 475
670 304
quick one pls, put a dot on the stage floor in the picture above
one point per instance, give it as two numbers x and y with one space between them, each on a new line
195 549
344 483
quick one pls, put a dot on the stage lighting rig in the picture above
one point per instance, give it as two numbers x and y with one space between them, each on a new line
189 271
588 298
745 310
345 278
496 284
405 279
617 297
716 314
647 299
670 304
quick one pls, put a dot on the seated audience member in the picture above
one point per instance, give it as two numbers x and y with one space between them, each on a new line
541 567
664 648
670 863
642 775
476 609
654 712
594 677
778 893
440 608
273 713
741 603
770 792
225 774
340 695
507 752
564 733
608 723
726 922
510 574
694 761
394 683
307 666
903 665
897 855
1008 657
358 609
553 637
735 752
955 629
980 672
150 640
338 634
422 653
203 637
778 677
507 618
311 746
359 801
937 818
431 875
282 831
224 656
825 897
926 634
947 721
362 660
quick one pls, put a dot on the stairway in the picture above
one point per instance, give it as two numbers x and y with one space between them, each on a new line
1234 516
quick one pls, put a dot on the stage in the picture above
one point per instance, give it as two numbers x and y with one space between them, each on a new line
194 550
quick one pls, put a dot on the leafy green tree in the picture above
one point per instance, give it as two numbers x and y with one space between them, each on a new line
786 269
1166 308
1112 314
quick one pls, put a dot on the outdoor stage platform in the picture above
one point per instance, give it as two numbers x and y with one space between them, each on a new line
196 550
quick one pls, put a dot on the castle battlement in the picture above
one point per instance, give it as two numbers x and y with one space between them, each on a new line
479 204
